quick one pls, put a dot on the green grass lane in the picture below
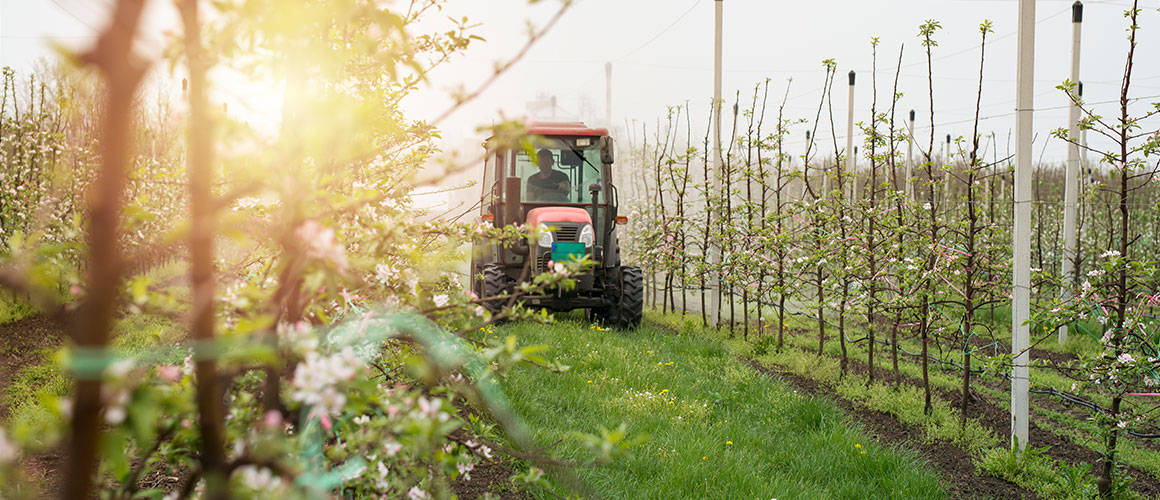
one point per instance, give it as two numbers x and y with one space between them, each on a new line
714 428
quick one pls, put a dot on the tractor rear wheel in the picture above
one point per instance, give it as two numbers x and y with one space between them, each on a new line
495 283
629 309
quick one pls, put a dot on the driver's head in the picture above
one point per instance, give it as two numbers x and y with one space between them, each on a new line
545 160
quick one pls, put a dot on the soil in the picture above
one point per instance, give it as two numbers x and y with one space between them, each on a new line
492 478
21 343
951 462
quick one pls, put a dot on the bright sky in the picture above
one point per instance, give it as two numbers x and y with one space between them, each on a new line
662 52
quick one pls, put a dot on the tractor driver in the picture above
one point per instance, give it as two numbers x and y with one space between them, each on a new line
548 184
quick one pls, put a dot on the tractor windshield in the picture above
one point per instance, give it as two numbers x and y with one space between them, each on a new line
556 172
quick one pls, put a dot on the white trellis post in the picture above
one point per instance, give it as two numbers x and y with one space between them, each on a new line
805 164
715 254
947 163
1021 241
1083 140
910 159
1071 174
851 156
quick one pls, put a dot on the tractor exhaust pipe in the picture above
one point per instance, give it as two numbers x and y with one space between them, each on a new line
595 189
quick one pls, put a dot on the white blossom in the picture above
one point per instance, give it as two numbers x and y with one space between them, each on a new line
465 469
298 337
321 244
317 378
259 478
385 273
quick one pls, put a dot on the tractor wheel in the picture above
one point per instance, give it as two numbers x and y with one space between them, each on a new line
495 282
628 311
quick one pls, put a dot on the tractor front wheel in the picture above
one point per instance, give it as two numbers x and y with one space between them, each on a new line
496 283
629 308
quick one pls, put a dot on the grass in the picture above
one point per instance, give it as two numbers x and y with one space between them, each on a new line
905 404
13 308
32 396
714 428
33 393
1047 477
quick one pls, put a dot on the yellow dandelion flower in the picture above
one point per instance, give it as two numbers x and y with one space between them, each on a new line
704 458
728 442
664 391
857 445
589 381
863 452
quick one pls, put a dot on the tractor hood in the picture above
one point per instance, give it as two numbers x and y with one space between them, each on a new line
557 214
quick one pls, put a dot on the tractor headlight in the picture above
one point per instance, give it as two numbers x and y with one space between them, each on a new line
587 236
545 238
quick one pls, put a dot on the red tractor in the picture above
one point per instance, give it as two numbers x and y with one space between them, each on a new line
557 186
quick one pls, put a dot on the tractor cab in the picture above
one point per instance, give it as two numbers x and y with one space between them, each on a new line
561 184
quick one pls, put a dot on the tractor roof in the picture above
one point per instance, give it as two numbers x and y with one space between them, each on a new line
564 128
558 129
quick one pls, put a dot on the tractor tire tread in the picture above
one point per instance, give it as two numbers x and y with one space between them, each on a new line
495 282
629 311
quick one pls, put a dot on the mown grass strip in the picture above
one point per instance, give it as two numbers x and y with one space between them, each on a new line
1080 432
1047 477
715 428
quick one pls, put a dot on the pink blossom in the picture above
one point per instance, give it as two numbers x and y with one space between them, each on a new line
272 419
321 244
169 373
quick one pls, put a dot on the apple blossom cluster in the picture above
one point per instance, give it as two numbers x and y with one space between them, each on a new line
320 243
318 380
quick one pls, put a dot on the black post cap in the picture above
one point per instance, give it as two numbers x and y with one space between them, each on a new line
1081 89
948 138
1077 12
912 115
807 135
851 78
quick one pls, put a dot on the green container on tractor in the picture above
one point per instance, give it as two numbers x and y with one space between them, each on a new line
562 185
